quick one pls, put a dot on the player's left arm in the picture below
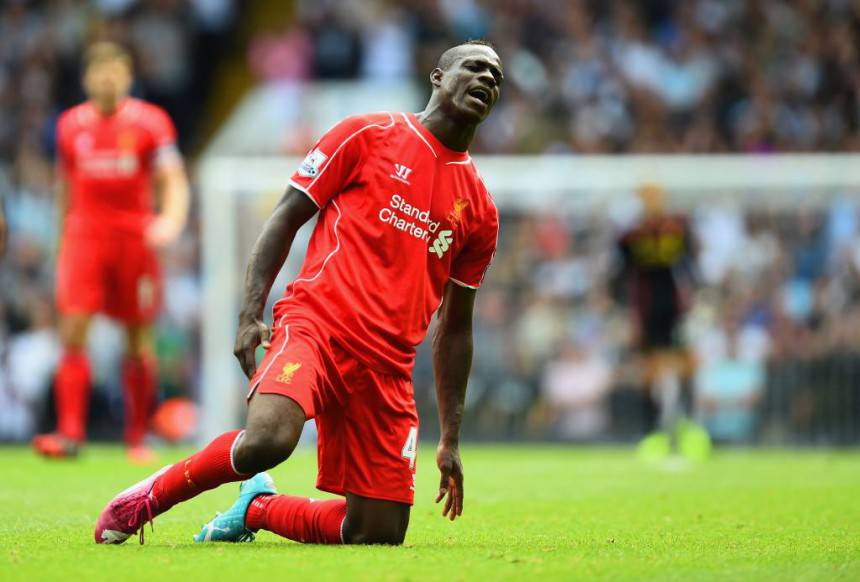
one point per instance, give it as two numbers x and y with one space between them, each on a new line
452 349
687 270
172 183
691 253
452 362
170 180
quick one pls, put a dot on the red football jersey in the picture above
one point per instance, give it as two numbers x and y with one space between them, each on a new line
400 216
108 162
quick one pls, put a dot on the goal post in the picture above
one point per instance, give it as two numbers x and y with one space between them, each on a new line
236 193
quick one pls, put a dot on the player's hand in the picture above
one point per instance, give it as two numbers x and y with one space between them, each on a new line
162 232
251 334
451 483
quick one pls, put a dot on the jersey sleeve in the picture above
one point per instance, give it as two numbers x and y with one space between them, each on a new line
163 133
334 161
474 259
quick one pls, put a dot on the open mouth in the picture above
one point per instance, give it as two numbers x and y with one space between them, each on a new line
480 94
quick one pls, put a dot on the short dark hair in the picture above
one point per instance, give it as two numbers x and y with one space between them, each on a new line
450 56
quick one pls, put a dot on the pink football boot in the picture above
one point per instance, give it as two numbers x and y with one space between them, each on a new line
128 512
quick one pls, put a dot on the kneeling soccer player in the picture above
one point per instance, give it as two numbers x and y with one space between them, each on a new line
345 332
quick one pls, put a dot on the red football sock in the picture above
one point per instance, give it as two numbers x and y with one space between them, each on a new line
298 518
139 378
202 471
72 394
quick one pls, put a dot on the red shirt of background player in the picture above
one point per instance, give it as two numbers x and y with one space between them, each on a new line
109 162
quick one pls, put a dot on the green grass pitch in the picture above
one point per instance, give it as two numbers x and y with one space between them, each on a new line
547 513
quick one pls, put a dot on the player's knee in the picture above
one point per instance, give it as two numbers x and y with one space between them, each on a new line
73 332
272 431
381 533
391 535
260 450
139 342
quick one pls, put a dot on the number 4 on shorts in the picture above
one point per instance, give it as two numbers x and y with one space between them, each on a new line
410 447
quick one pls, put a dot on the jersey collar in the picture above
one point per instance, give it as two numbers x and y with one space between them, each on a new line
439 150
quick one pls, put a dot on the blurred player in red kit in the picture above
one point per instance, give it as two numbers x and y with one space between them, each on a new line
406 229
658 256
116 156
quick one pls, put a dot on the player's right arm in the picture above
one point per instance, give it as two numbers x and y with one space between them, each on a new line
267 257
331 165
61 192
62 167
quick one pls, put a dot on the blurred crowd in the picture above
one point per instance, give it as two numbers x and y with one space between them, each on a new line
776 317
622 76
773 327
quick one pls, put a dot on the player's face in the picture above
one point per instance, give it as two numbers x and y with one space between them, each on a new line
471 86
107 80
653 200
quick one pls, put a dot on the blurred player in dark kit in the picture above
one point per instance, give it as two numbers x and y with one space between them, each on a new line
657 260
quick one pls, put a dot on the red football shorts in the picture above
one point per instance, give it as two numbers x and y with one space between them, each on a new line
366 420
117 275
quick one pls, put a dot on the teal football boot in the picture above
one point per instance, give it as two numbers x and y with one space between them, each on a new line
230 525
654 447
694 442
